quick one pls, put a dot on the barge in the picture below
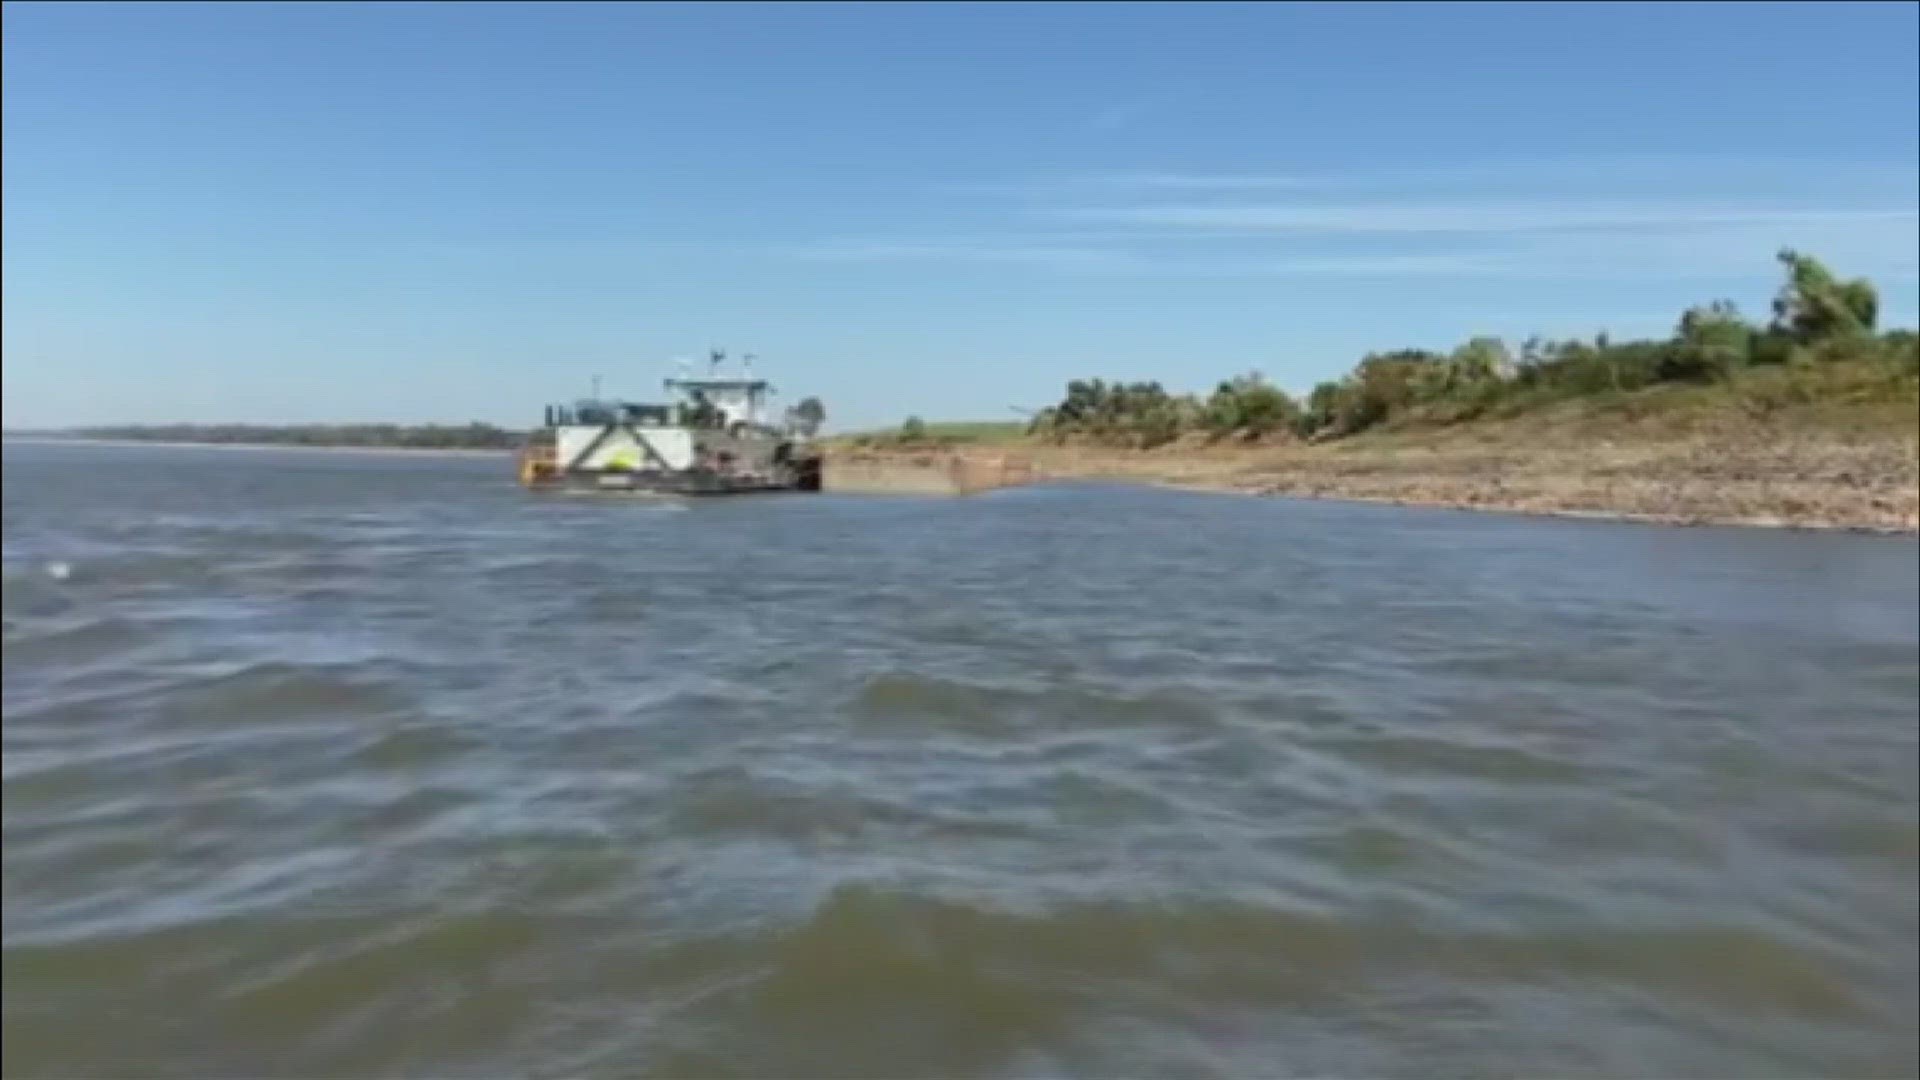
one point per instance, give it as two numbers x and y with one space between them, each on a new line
713 436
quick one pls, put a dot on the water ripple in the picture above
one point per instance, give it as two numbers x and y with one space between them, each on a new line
353 765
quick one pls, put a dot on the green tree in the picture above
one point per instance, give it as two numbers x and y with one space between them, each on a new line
914 429
1814 306
808 415
1815 315
1710 343
1387 383
1140 414
1325 406
1251 406
1481 360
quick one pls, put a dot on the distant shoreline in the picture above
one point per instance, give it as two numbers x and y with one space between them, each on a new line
414 451
1674 499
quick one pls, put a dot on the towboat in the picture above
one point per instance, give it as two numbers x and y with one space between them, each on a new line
712 436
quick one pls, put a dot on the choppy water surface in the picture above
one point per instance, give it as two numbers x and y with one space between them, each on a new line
343 765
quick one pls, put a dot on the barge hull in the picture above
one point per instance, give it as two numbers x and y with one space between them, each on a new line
677 484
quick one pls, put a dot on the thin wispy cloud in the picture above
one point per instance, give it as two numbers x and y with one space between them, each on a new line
1201 267
1467 219
957 251
1122 113
1880 244
1743 168
1143 263
1217 223
1199 182
1629 174
1725 252
1120 183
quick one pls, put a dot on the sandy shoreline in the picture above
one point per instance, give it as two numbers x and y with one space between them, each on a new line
1516 510
1871 487
1788 480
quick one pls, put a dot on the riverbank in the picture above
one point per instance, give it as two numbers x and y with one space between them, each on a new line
1675 455
1756 476
1652 485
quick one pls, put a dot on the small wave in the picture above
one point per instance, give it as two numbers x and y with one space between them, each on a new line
942 958
734 800
609 604
409 813
77 643
945 703
278 690
1372 847
31 595
632 501
167 568
532 567
1088 799
412 747
1001 710
1176 707
942 972
1895 844
1421 754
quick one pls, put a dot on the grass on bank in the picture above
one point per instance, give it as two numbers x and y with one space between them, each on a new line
916 434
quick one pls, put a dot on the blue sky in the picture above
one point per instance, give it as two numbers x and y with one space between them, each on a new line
448 212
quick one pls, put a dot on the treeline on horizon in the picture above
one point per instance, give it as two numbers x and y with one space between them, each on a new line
1818 319
472 436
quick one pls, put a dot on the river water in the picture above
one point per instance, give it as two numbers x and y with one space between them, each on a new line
356 765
